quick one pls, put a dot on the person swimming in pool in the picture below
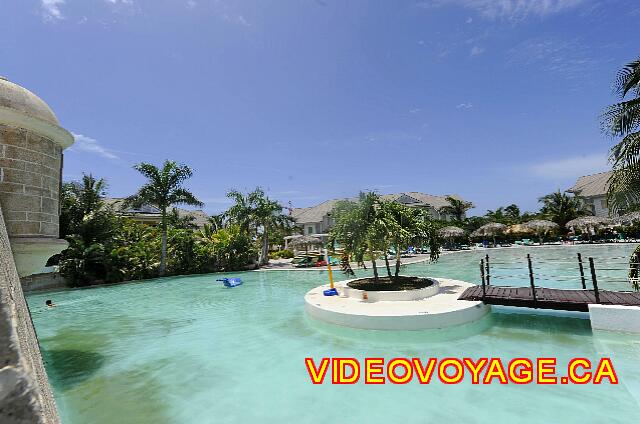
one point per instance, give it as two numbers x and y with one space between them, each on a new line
50 304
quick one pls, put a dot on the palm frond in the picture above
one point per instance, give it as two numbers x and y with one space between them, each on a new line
627 152
622 118
624 188
628 79
183 196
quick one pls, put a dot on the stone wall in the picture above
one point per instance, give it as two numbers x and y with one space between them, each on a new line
44 281
29 182
25 394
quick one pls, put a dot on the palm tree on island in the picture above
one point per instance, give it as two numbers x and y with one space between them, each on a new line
369 226
163 189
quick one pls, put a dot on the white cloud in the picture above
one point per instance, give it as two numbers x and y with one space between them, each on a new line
191 4
513 10
464 106
51 9
91 145
476 51
572 167
236 19
567 58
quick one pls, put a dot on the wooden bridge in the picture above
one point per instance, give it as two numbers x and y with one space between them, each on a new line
547 298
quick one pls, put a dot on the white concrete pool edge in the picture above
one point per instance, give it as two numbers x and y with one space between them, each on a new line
437 311
616 318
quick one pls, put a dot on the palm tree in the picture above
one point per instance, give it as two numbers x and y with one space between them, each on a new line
457 208
497 216
164 188
622 119
396 224
512 213
79 199
258 215
182 222
561 208
360 228
218 221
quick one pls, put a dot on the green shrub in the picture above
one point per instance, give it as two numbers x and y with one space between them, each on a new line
284 254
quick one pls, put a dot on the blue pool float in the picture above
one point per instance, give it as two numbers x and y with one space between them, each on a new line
330 292
231 282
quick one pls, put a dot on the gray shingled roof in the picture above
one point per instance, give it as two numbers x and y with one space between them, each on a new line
296 212
421 199
591 185
315 213
200 217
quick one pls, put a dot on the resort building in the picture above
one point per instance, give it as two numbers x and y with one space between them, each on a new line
151 215
592 191
317 220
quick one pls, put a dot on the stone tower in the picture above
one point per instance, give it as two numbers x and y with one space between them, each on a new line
31 145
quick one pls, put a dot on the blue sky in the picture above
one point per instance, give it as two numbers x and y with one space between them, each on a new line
497 101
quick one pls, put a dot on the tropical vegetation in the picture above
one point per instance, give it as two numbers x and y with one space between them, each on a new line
370 228
622 120
163 189
457 208
255 213
106 246
561 208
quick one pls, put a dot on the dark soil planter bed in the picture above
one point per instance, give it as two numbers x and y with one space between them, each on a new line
391 284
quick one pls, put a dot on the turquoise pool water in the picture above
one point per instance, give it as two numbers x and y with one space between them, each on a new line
186 350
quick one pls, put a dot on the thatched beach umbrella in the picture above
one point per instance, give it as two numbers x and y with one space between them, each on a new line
628 218
541 227
450 233
305 241
519 229
491 229
588 224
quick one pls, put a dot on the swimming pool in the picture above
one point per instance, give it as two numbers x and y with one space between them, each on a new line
187 350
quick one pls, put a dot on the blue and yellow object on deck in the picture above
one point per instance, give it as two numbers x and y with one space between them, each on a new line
231 282
332 291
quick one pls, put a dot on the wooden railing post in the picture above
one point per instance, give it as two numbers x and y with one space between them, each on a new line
594 280
531 279
488 269
484 290
582 279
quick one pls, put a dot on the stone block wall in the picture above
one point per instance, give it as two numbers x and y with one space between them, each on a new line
25 395
29 182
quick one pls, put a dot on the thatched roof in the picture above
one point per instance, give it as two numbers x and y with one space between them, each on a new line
303 241
490 229
519 229
585 222
542 225
628 218
451 231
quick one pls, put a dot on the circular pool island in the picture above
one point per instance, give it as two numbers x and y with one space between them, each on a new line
411 303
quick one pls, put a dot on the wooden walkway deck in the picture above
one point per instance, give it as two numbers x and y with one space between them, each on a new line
559 299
